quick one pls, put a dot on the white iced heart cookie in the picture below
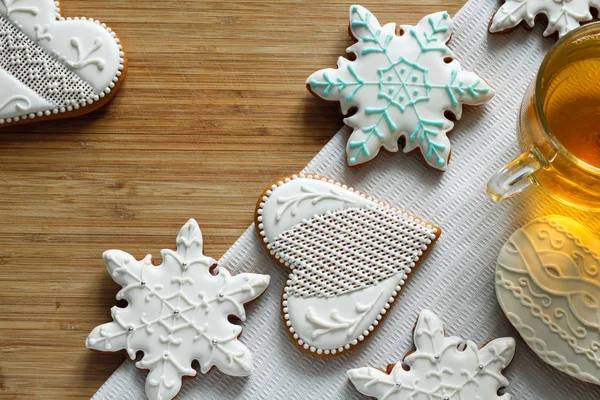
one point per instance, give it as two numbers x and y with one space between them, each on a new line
440 368
400 86
563 15
349 256
548 284
177 313
52 67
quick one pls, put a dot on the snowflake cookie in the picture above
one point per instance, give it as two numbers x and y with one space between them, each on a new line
177 313
563 15
349 256
548 286
401 84
441 368
52 67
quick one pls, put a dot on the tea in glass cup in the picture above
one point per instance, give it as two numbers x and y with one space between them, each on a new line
559 126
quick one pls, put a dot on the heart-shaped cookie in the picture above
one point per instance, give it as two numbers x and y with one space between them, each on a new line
548 284
349 256
52 67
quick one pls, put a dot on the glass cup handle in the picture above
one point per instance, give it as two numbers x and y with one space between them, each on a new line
513 178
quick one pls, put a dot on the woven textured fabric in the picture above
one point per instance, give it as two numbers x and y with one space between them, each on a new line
39 71
349 249
456 280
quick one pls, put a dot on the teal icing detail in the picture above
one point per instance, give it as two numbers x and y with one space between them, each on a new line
328 84
429 38
402 83
473 89
424 132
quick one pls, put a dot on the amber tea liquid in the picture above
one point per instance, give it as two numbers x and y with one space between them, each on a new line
571 104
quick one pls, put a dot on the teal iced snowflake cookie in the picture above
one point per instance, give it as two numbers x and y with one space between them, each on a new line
400 85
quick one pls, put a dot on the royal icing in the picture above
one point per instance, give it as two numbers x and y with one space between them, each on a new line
563 15
441 368
548 284
177 313
51 65
349 256
401 86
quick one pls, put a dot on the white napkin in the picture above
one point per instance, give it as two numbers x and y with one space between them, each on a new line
456 280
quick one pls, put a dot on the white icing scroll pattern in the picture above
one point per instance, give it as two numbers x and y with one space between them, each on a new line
12 6
547 281
178 312
540 347
41 33
84 58
439 369
336 322
292 203
20 103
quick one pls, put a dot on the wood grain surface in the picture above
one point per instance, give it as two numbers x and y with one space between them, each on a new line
213 108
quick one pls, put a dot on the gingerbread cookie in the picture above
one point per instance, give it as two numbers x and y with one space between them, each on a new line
563 15
548 284
349 256
177 313
401 84
52 67
440 368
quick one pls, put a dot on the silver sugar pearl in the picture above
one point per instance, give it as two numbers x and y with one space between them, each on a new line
142 283
130 329
175 312
398 385
437 357
214 342
184 264
446 398
480 367
221 295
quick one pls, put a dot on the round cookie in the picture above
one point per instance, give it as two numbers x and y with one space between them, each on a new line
402 85
349 256
548 285
54 67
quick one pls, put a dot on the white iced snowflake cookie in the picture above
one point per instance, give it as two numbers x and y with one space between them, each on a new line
52 67
563 15
440 368
349 256
400 87
177 313
548 284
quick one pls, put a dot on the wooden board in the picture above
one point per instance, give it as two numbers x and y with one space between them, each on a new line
213 108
